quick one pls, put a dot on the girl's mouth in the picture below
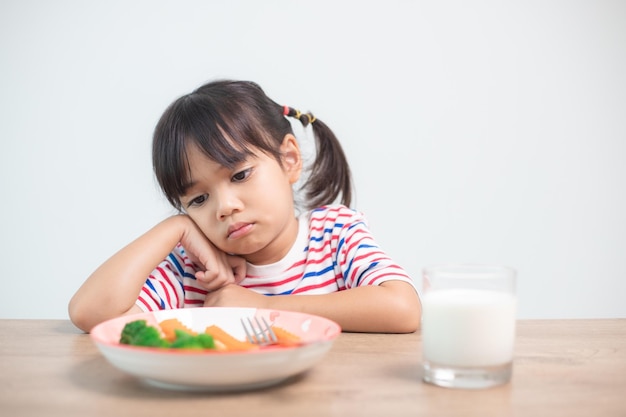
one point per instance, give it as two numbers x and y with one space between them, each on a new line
238 230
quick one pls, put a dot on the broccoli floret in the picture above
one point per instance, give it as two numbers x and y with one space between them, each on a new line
138 333
186 340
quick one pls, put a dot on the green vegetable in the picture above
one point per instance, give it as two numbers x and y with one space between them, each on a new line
139 333
186 340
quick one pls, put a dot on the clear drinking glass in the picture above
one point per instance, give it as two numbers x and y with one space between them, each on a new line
468 325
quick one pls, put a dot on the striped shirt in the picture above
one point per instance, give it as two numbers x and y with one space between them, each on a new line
334 251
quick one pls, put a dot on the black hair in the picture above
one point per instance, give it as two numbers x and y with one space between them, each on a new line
231 120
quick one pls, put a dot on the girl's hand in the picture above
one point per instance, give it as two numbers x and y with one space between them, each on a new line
224 270
217 268
236 296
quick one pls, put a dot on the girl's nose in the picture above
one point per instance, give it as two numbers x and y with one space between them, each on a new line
228 203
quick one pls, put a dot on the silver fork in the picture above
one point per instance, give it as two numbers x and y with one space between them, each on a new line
259 332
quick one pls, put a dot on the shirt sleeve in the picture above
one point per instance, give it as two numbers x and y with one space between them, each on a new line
362 261
165 287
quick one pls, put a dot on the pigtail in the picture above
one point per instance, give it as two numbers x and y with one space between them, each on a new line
329 176
229 121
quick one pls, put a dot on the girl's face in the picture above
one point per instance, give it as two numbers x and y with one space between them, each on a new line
249 210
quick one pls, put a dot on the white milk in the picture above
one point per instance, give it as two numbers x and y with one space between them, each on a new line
467 327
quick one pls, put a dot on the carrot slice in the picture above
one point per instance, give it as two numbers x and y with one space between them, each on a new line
225 341
285 337
169 327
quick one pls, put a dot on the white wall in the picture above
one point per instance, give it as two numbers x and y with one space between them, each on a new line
479 131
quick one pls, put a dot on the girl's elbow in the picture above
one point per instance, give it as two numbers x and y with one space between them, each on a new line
407 308
410 311
79 315
411 320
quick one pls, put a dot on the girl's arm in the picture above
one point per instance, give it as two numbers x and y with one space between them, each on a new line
391 307
113 288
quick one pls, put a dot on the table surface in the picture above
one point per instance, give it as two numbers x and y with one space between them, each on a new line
561 367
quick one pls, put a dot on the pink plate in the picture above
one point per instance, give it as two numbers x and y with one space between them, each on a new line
218 371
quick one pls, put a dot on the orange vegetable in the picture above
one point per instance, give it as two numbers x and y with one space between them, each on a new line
225 341
285 337
169 327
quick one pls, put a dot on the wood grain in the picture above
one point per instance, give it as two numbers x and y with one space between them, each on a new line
561 368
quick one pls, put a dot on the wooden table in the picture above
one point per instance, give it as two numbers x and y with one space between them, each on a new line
562 368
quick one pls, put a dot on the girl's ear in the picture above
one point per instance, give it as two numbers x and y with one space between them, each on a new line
291 157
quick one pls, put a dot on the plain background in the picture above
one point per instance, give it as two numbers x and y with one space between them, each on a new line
477 131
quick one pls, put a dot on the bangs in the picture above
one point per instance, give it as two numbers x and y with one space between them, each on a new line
225 132
218 139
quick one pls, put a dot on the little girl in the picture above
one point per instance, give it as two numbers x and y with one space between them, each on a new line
226 157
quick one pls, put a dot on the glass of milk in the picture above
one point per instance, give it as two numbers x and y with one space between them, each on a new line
468 325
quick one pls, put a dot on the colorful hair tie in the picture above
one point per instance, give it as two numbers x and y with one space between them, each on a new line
291 112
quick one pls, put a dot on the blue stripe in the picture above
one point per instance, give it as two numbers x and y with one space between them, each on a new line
176 263
179 267
327 230
362 246
341 242
356 224
362 274
156 293
308 275
318 273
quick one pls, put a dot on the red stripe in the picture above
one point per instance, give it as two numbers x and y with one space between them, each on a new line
326 283
320 260
317 228
377 277
313 250
330 215
276 284
148 307
183 259
150 295
326 210
299 263
357 270
196 290
165 288
295 265
357 238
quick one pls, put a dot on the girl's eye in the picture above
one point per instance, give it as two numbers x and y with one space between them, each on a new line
198 201
242 175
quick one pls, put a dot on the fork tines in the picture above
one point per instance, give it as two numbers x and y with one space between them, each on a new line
259 331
